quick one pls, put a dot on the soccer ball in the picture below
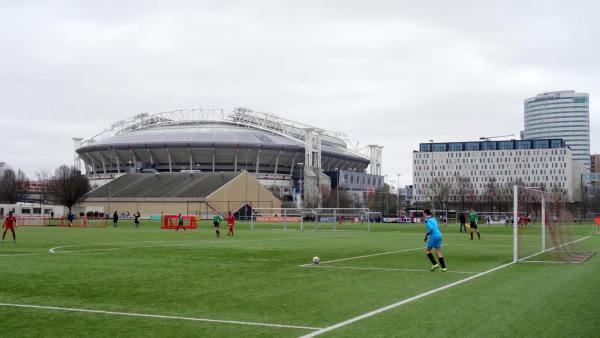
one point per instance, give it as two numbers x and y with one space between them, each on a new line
316 260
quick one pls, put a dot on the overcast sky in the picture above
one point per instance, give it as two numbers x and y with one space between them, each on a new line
394 73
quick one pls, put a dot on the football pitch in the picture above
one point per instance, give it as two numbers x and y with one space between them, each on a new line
126 282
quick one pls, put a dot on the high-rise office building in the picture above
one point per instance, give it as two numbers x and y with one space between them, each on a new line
561 114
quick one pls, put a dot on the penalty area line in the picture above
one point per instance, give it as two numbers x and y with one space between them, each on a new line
145 315
402 302
421 295
55 250
364 256
384 269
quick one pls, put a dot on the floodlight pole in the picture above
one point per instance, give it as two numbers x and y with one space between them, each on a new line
515 225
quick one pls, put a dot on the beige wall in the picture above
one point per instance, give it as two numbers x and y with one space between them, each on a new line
146 208
244 189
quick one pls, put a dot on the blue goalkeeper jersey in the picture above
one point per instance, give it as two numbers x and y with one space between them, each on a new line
432 227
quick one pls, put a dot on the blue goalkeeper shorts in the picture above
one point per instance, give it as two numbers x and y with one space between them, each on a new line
434 242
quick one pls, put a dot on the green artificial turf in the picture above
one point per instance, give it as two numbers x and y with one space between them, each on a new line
257 276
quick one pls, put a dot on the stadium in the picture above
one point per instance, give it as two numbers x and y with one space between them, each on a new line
214 140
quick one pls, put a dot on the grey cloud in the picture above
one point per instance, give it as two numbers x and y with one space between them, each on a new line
390 72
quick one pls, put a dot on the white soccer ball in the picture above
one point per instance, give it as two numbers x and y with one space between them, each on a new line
316 260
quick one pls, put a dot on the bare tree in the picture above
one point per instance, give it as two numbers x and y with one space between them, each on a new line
12 185
440 191
68 186
43 177
556 204
463 186
382 200
491 194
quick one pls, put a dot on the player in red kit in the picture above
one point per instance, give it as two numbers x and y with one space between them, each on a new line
9 223
230 223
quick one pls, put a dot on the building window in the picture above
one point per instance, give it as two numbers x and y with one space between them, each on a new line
524 144
505 145
490 145
540 144
439 146
455 146
472 146
555 143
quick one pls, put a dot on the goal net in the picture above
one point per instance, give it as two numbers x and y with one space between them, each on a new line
79 222
33 221
172 222
545 230
316 219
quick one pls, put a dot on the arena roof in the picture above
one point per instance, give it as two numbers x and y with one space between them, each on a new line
212 140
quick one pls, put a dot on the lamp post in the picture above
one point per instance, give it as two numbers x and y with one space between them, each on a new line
398 183
337 189
387 194
431 178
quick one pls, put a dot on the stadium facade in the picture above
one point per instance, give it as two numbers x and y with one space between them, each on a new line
282 154
474 168
561 114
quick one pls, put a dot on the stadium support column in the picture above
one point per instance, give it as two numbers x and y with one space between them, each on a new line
277 162
191 159
103 163
375 158
134 160
93 164
169 156
293 164
213 158
117 158
235 159
312 166
257 161
151 156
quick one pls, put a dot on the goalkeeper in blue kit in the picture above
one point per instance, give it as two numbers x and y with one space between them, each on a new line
433 237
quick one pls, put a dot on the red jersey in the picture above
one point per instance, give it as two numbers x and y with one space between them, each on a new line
10 221
230 220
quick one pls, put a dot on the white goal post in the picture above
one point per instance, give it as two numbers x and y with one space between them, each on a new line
313 218
552 234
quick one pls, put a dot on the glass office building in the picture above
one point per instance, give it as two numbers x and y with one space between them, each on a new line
561 114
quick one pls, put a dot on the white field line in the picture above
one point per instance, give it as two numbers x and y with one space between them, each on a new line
145 315
365 256
56 249
417 297
384 269
555 247
21 254
555 262
402 302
